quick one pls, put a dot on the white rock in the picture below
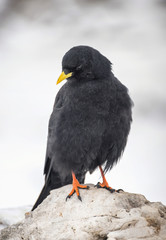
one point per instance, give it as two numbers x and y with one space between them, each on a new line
100 215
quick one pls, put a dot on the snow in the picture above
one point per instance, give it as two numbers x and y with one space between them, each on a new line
11 216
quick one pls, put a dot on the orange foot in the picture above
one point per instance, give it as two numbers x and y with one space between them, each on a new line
76 185
105 183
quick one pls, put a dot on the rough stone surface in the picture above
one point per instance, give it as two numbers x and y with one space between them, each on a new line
101 215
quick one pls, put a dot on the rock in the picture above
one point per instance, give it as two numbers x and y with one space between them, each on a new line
101 215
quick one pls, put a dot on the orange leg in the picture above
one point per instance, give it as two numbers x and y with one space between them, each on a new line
76 185
105 183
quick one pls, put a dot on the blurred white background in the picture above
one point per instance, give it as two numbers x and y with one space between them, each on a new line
34 35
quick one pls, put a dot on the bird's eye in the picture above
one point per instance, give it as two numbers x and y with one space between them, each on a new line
66 70
79 68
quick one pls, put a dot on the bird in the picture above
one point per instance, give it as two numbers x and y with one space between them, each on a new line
89 124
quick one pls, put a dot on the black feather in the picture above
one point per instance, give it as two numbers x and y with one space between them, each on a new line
90 121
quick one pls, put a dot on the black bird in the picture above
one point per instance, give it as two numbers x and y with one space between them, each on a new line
89 124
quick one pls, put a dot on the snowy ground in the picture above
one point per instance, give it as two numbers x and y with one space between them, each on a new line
12 215
32 43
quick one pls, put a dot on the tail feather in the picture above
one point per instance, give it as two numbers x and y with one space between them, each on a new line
44 193
52 182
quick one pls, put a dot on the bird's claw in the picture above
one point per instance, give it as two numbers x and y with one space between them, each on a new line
112 190
75 188
68 197
119 190
98 185
79 197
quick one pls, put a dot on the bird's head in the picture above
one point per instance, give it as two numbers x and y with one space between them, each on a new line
84 63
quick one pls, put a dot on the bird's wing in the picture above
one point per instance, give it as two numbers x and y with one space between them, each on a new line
48 158
118 124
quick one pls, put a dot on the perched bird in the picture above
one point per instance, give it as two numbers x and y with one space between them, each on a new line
89 124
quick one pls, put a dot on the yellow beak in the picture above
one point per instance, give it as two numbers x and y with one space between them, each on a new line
63 76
